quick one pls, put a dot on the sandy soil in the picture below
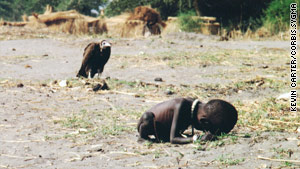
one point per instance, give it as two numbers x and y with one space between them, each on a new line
44 125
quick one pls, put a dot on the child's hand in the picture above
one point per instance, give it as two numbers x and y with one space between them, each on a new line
196 137
208 137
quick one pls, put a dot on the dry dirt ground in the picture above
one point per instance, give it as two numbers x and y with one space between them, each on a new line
45 125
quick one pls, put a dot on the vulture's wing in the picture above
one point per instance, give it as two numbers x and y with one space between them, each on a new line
90 52
89 55
87 47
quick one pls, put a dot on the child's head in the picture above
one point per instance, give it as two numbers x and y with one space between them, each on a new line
216 116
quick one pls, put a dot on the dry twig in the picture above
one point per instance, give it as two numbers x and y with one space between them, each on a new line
285 122
110 104
279 160
19 141
13 156
126 153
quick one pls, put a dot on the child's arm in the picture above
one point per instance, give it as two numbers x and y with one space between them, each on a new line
175 137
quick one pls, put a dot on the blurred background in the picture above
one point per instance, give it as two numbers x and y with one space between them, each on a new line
269 16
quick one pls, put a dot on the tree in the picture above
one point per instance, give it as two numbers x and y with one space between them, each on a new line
277 15
83 7
196 6
5 7
13 10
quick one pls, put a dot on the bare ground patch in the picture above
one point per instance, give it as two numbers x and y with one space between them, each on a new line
44 125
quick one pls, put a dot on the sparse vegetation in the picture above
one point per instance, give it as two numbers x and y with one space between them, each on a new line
188 23
226 160
282 153
277 15
268 115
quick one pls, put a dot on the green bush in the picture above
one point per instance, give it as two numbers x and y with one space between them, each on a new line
116 7
237 14
277 15
188 22
171 7
13 10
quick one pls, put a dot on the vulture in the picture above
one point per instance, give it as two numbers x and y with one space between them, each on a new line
95 57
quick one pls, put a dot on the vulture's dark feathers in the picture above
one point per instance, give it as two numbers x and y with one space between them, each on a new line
95 57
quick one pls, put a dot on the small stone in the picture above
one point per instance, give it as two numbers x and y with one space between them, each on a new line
96 87
223 38
28 66
96 148
169 92
247 64
104 86
82 130
20 85
63 83
290 152
158 79
284 96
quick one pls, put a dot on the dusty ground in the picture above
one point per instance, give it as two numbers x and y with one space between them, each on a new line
44 125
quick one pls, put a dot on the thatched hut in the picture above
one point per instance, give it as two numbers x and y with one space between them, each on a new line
142 22
65 21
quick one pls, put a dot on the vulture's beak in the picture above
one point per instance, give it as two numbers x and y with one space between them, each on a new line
105 45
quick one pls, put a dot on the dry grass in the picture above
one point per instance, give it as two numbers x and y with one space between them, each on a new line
115 24
133 28
132 25
269 114
177 58
66 21
260 34
119 26
172 26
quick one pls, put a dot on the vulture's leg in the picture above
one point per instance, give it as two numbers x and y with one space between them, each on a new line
87 71
82 72
93 72
99 73
89 76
